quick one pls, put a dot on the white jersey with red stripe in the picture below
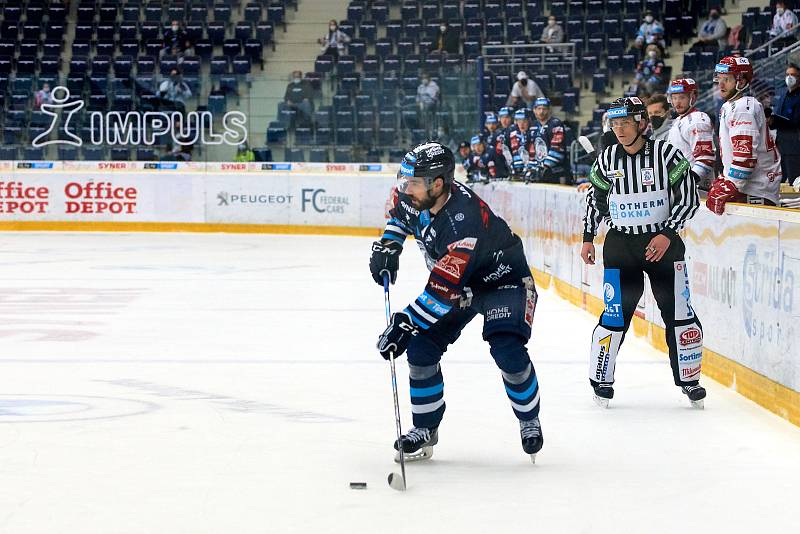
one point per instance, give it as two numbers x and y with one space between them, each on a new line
749 157
693 134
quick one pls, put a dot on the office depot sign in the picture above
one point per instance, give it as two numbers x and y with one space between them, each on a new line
99 197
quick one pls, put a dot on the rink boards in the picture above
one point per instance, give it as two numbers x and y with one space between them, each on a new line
743 267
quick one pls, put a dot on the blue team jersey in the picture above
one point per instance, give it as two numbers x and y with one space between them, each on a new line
465 245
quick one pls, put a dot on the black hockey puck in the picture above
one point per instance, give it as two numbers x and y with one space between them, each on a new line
358 485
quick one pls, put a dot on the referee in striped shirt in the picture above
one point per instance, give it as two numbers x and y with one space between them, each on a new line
644 191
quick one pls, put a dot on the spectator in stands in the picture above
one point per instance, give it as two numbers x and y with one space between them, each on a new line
553 33
43 96
244 154
298 96
174 92
333 42
650 72
427 94
785 118
175 38
712 34
650 32
447 40
443 136
783 23
524 92
660 117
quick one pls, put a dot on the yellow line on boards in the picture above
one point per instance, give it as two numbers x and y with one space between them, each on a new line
114 226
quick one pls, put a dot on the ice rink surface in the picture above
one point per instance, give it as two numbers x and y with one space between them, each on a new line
193 383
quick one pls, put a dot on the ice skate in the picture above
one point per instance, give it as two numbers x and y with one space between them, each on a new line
696 395
532 439
417 444
602 394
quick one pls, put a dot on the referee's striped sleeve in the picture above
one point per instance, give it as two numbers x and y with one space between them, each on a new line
684 200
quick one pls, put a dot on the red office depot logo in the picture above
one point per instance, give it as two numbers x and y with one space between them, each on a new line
16 197
100 198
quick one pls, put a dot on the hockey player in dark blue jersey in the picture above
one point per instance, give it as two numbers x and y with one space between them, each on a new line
484 164
477 265
490 130
548 160
518 147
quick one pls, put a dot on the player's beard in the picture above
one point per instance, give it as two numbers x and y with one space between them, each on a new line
425 203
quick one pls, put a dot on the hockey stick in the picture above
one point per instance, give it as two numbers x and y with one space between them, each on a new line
586 144
396 480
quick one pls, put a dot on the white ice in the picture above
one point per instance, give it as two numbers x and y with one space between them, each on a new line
185 383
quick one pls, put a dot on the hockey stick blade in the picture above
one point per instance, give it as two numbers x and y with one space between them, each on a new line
586 144
397 482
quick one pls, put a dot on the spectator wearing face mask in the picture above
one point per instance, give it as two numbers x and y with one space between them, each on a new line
785 118
333 42
43 96
552 33
651 31
660 117
650 72
175 38
524 92
298 97
446 41
784 23
711 34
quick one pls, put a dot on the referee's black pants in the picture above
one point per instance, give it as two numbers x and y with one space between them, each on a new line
623 285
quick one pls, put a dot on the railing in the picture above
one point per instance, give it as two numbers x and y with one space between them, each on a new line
767 72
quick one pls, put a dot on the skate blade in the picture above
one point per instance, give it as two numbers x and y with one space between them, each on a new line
698 404
423 454
600 401
533 458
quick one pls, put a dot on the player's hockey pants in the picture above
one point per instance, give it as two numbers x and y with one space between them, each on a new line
623 284
508 315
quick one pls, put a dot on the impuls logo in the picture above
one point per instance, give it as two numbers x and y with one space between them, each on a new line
137 128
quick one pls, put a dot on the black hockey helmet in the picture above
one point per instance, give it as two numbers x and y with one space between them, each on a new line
629 106
429 160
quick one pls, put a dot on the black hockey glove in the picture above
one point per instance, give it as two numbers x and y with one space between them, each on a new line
397 335
385 258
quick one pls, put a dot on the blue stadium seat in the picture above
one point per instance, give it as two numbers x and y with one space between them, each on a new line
350 82
472 9
252 12
394 29
346 65
371 63
450 10
343 155
344 136
323 64
558 8
392 63
241 65
295 155
243 31
357 48
355 11
262 154
130 13
33 154
569 102
219 65
222 12
276 133
324 135
409 10
216 33
231 48
599 82
66 153
379 12
302 136
217 104
368 31
689 62
318 155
